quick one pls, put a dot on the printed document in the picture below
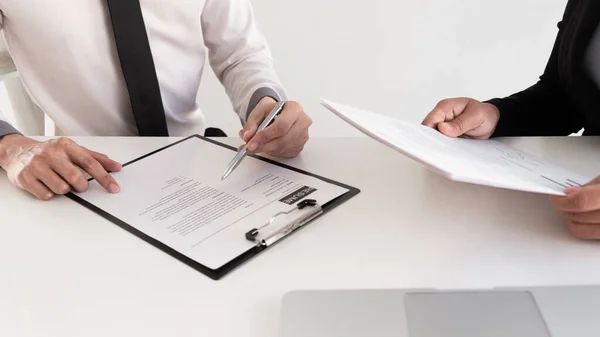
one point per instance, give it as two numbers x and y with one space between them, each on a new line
177 197
484 162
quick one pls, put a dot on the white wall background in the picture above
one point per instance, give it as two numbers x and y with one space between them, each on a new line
397 57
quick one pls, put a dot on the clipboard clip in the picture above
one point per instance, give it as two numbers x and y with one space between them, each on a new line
268 234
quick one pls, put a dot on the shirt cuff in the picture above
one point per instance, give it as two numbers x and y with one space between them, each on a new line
260 94
507 123
7 129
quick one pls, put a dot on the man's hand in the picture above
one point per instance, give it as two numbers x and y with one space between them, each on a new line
285 137
580 209
54 167
464 117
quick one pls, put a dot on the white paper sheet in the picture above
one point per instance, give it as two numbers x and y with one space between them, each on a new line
177 197
484 162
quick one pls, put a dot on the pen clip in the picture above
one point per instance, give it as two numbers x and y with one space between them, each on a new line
268 234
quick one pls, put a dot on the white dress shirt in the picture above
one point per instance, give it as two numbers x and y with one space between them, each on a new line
65 53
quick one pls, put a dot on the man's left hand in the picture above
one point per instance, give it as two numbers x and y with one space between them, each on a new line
581 209
285 137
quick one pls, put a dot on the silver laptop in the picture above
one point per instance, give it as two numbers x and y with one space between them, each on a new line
517 312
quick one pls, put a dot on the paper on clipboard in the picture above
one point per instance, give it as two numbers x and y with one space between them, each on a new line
482 162
176 196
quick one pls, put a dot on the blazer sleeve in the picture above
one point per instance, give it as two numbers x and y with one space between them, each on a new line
544 109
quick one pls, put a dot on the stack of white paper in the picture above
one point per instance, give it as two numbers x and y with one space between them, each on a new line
483 162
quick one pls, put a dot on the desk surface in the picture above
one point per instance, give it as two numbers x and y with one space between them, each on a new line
65 271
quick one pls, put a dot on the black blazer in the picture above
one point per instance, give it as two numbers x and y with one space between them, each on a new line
565 99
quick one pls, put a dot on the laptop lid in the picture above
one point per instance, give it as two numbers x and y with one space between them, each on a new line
530 312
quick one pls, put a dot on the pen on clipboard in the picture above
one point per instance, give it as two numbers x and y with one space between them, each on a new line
242 153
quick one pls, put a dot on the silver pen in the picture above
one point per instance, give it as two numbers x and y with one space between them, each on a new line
242 153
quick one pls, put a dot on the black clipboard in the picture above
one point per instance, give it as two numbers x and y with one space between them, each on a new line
219 273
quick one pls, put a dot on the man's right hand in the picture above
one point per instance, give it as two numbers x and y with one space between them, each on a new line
54 167
464 117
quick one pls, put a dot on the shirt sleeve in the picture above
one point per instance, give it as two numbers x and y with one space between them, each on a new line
239 54
544 109
5 61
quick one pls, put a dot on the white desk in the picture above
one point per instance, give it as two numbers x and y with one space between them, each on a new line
65 271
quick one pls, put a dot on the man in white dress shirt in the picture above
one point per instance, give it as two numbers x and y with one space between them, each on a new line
85 64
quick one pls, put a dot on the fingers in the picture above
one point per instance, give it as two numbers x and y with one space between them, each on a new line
68 159
44 173
583 230
592 217
84 159
31 184
581 209
463 117
70 173
286 136
56 167
282 124
108 164
445 110
38 178
583 199
289 145
262 109
469 119
249 129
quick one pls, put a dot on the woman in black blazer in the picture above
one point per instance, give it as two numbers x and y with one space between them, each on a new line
564 100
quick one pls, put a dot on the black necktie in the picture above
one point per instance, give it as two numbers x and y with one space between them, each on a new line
138 67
